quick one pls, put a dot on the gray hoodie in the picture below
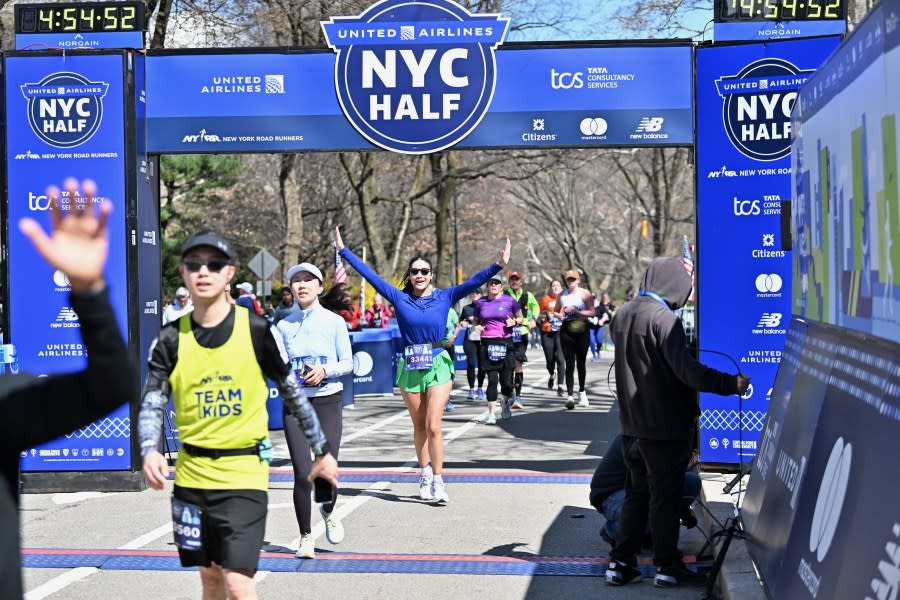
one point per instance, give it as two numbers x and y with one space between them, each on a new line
657 379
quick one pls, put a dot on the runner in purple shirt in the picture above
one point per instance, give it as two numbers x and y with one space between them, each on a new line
425 373
497 314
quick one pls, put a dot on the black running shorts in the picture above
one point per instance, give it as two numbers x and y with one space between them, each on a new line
232 527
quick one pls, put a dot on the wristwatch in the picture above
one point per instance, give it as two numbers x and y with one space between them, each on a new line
321 450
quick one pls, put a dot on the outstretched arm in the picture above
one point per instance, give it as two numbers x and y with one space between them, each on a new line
385 288
462 290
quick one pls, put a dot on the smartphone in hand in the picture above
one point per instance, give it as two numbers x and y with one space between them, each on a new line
323 491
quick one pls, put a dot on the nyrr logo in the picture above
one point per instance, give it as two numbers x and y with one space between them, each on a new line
757 108
65 109
415 77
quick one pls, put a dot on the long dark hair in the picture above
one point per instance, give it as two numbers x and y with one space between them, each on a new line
337 298
407 284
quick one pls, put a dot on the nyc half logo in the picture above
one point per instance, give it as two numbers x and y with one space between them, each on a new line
758 104
415 77
65 109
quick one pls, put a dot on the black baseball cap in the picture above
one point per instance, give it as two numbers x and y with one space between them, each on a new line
207 238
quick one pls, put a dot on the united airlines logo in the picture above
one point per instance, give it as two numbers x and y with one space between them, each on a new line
415 77
65 109
758 104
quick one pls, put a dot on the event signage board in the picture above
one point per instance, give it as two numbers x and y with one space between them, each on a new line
845 217
584 96
745 94
758 20
415 77
65 117
845 536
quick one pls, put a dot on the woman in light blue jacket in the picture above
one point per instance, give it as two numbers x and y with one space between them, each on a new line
319 346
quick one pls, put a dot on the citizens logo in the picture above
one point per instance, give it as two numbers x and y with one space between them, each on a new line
61 282
65 319
244 84
415 78
65 109
593 128
764 251
538 133
757 105
770 324
768 285
649 129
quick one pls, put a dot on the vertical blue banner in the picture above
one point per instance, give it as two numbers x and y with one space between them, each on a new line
745 95
65 118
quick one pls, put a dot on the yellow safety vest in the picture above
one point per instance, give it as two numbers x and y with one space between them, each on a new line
220 403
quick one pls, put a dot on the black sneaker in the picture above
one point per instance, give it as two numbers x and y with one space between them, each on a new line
668 577
621 574
550 383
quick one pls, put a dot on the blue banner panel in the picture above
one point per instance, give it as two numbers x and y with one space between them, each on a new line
65 118
775 481
757 31
558 97
745 94
846 225
80 41
845 538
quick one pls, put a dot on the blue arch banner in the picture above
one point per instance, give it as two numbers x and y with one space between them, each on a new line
579 96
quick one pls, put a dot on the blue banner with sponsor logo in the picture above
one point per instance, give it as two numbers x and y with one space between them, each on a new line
64 118
843 536
745 95
581 96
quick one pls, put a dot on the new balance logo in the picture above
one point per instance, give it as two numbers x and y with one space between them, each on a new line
769 320
650 125
65 319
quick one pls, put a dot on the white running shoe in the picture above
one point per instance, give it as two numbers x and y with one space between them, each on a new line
334 529
439 492
491 420
426 482
570 402
307 547
582 400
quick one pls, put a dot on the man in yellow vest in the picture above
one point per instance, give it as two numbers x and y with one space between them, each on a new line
214 362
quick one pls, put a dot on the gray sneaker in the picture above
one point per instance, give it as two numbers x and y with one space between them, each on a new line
505 412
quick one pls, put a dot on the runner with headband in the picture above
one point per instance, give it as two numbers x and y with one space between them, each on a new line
498 315
425 372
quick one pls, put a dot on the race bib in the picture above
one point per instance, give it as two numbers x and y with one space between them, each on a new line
186 525
516 334
301 364
555 323
496 352
417 357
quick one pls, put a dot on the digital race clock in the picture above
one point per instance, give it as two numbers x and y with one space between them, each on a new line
779 10
79 17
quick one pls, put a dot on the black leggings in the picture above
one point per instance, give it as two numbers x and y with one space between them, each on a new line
553 355
574 348
498 372
329 409
472 350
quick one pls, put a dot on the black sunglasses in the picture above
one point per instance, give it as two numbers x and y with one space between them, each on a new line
215 265
420 271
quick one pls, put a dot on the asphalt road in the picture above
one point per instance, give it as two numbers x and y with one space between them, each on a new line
518 524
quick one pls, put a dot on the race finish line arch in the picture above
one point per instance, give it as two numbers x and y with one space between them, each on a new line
411 78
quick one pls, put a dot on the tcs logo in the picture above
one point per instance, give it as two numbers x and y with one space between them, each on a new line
65 109
744 208
565 81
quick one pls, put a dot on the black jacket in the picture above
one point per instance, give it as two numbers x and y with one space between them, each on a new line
657 379
37 410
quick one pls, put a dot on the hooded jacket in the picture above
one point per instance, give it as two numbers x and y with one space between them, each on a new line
657 379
